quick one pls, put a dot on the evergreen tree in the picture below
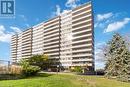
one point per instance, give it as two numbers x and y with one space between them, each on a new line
118 58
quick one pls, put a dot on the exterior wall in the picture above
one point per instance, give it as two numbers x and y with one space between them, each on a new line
27 43
52 38
67 39
19 47
37 39
82 41
14 47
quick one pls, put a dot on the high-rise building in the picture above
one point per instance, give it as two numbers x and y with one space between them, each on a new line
52 38
37 39
26 43
14 47
19 47
67 39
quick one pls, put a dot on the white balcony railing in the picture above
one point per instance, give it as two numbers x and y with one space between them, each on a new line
85 7
82 50
83 17
78 23
79 41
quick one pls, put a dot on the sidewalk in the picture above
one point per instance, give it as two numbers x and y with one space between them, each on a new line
68 73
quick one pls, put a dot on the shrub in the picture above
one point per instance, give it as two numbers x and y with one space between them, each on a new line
77 69
27 69
30 70
39 60
10 76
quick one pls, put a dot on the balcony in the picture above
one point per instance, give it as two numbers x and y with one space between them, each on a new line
65 56
51 21
26 34
51 50
77 12
84 27
81 37
27 39
79 41
37 40
52 43
79 60
35 33
82 14
82 7
26 43
83 55
51 29
66 16
82 50
66 52
52 36
50 25
82 22
86 17
82 64
51 32
82 45
28 49
52 54
47 47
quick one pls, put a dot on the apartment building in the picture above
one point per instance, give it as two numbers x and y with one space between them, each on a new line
67 39
37 39
21 45
14 47
82 36
52 39
26 43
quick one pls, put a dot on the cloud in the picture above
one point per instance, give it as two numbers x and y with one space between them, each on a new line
101 17
116 25
99 24
69 4
110 22
5 36
16 29
58 10
72 3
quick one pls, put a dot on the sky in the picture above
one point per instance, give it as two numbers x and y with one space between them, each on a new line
110 16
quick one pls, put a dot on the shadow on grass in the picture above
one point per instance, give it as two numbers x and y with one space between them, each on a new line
9 77
43 75
17 77
40 75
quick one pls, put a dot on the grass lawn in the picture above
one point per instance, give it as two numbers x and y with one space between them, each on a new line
62 80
